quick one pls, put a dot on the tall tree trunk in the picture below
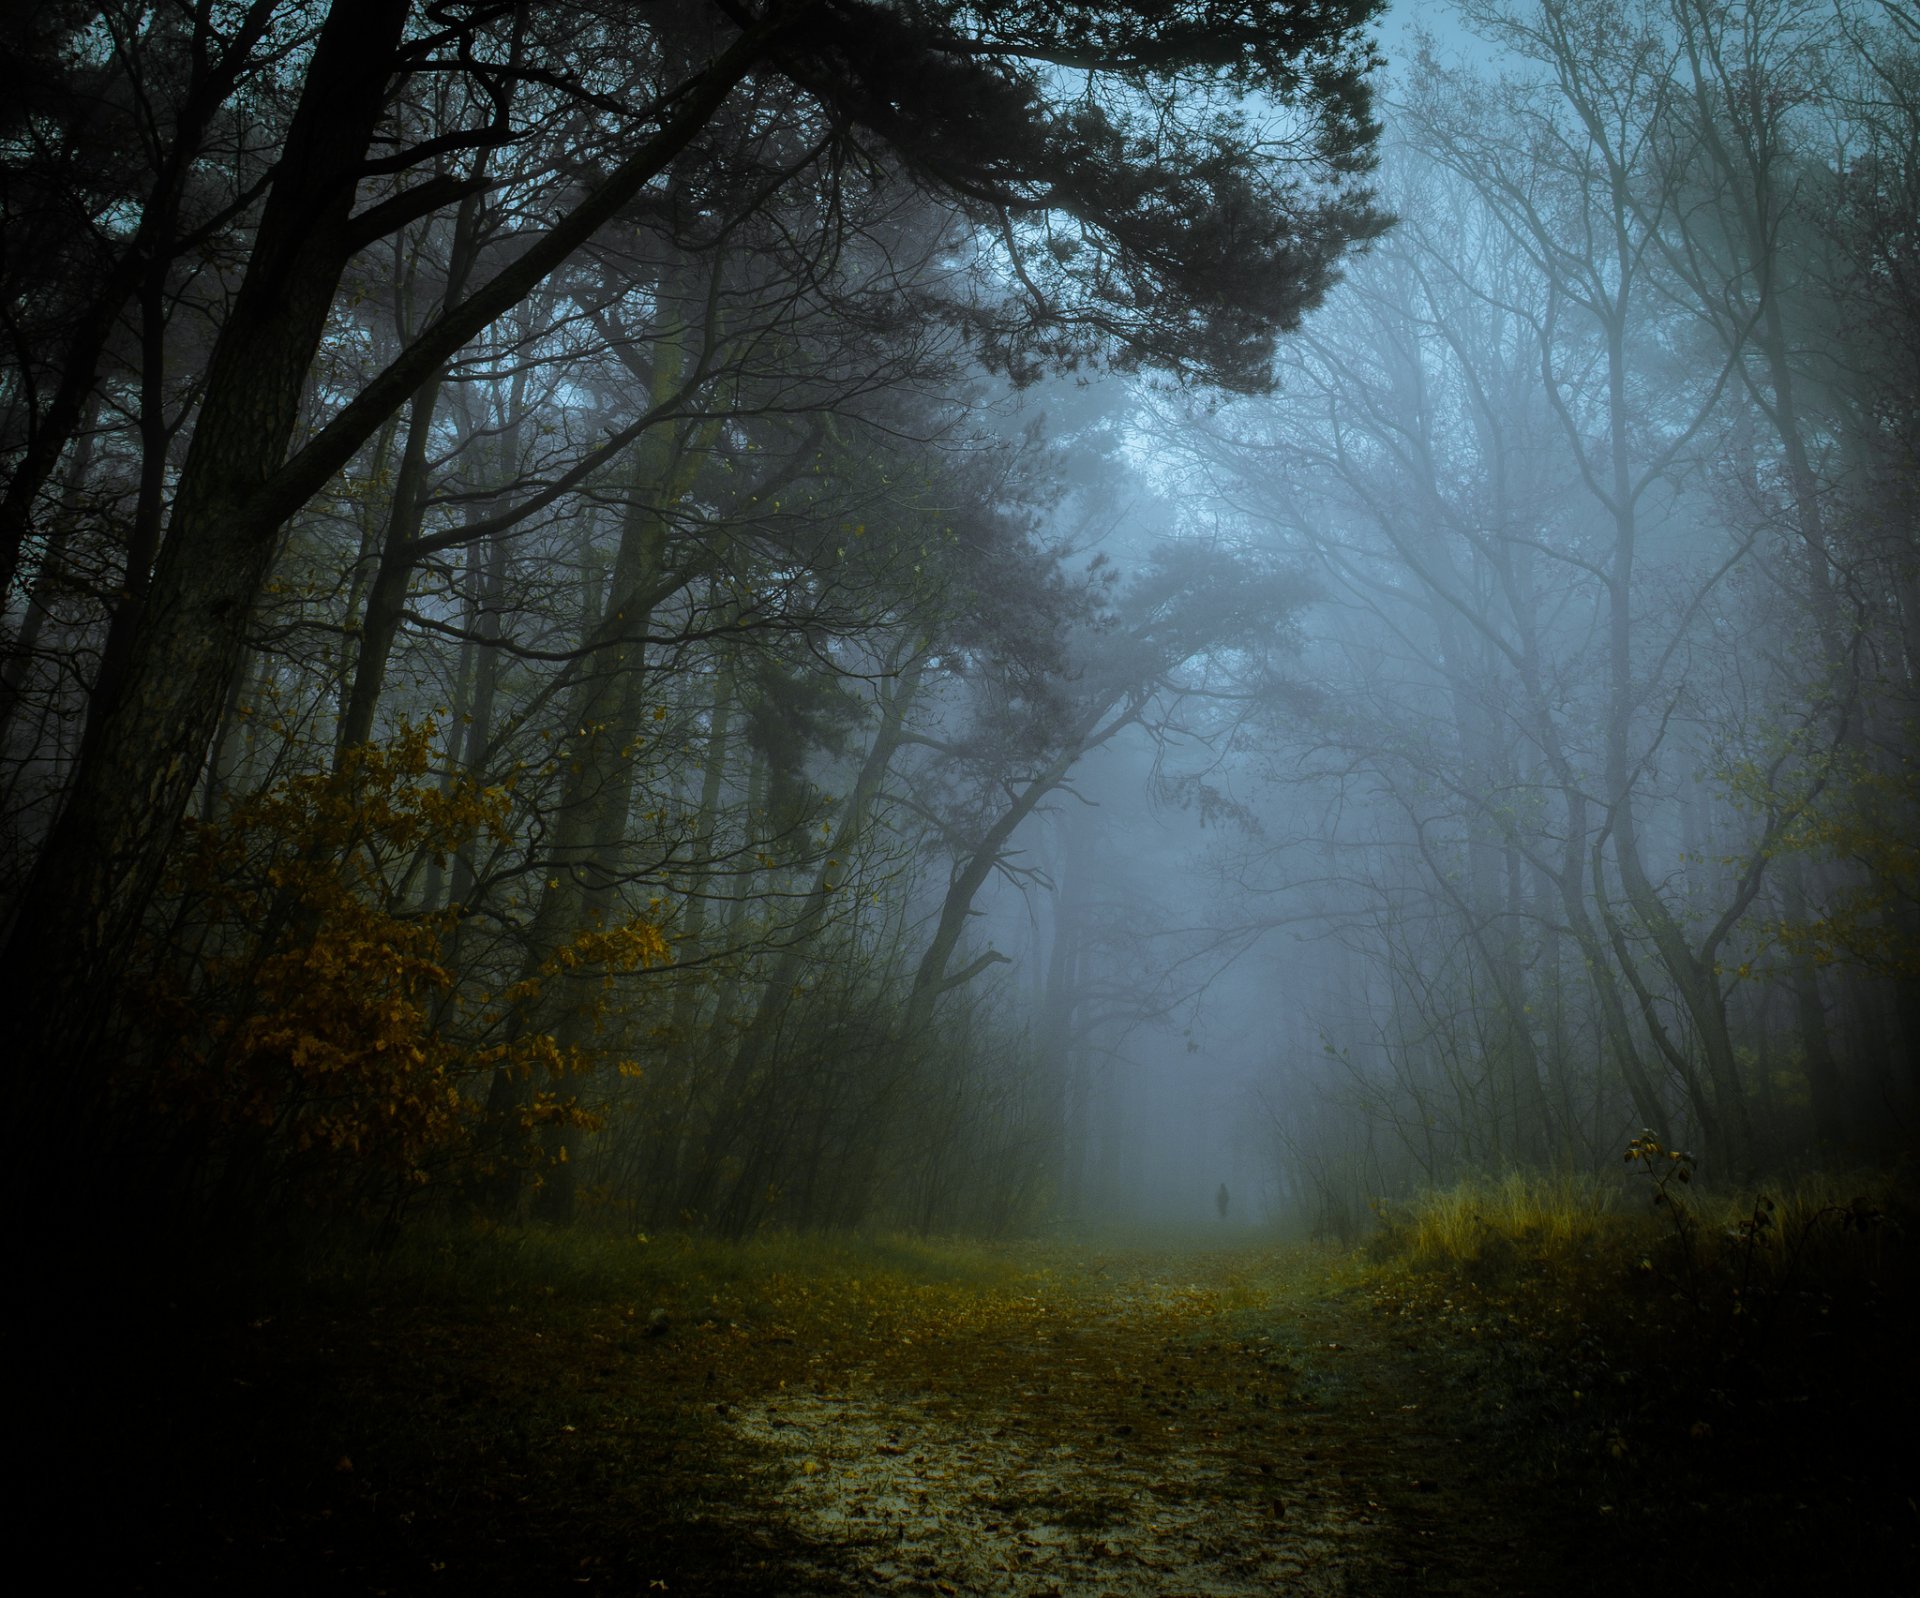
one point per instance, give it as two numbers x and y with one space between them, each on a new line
1810 1020
589 825
931 978
18 660
1693 979
607 717
379 622
731 1099
1062 1043
148 739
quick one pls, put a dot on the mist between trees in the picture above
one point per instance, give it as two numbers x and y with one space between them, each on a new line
845 613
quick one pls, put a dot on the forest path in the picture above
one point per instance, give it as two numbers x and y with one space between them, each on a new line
820 1418
1200 1421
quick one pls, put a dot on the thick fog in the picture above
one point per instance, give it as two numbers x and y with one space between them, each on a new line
1572 796
1145 636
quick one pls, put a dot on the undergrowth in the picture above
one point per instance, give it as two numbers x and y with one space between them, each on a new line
1693 1369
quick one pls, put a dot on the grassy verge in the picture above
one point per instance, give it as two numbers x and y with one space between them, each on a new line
1714 1386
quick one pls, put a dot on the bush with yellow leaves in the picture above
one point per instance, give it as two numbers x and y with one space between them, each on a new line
309 1028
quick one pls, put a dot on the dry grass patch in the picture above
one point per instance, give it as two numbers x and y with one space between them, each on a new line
1725 1375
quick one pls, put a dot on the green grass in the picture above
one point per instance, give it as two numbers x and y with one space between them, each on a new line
486 1409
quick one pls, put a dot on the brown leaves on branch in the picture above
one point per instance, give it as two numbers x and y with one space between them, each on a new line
307 1006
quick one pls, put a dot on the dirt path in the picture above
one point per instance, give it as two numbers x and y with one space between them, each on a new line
1148 1425
822 1418
1019 1425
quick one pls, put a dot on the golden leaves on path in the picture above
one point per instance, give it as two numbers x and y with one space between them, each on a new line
1043 1434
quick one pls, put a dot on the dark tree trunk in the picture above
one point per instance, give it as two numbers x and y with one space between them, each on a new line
149 731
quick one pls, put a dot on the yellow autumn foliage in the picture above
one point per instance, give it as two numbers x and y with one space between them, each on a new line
302 1005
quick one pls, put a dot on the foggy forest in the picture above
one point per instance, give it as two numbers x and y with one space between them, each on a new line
962 796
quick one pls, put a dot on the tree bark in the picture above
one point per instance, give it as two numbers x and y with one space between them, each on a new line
148 739
698 1183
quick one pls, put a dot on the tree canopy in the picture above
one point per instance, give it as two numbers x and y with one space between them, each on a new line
330 324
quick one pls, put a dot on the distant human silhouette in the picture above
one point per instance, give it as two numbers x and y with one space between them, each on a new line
1220 1201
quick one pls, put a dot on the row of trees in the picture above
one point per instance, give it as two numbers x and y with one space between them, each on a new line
524 638
1606 462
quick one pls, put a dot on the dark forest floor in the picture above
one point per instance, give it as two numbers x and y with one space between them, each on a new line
1036 1421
